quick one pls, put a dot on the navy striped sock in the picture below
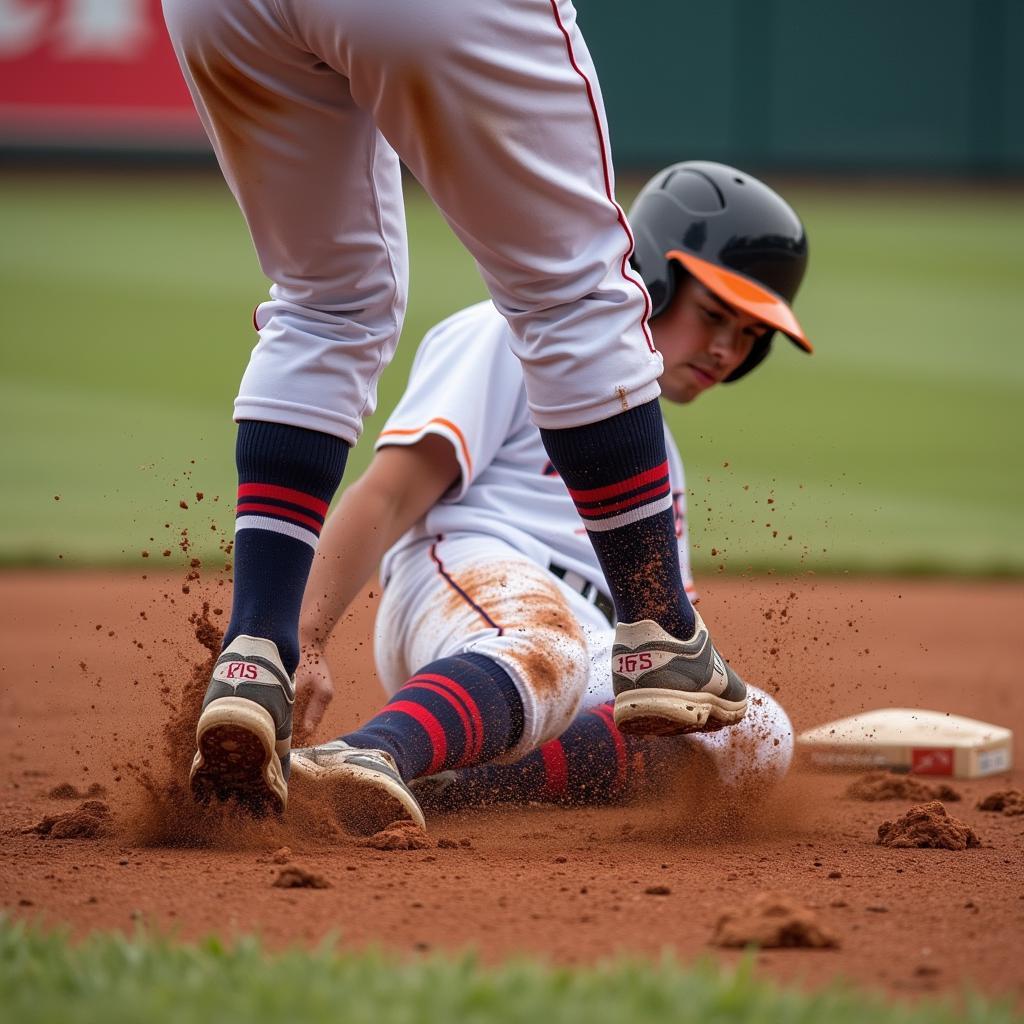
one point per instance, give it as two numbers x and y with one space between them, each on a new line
617 474
590 763
286 479
455 712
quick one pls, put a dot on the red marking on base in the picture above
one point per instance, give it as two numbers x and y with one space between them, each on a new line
931 760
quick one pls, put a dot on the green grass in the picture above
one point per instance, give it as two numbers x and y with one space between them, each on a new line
115 979
893 448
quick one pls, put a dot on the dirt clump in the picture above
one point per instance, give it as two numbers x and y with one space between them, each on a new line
772 922
69 791
399 835
90 820
1003 801
928 826
295 877
890 786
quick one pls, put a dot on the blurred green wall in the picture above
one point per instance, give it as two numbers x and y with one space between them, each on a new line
891 85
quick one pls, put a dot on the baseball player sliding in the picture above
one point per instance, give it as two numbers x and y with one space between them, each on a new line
496 110
495 627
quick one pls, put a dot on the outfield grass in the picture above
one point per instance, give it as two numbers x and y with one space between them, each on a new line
127 306
115 979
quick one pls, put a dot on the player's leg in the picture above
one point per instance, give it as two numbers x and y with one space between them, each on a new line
484 658
321 194
592 762
496 109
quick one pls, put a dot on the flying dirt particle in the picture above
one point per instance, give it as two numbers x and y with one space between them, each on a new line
296 877
835 874
56 497
399 835
657 890
772 922
199 495
144 553
68 791
183 504
928 826
1004 801
889 786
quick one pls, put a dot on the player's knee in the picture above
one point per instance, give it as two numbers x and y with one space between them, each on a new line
551 674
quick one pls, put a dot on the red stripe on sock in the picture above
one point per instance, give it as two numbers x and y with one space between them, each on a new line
613 490
635 502
607 715
471 707
299 498
556 769
431 726
469 747
297 517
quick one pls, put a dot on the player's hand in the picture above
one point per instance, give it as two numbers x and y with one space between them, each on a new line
314 687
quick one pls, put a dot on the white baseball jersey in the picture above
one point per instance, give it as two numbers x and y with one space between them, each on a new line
467 387
495 108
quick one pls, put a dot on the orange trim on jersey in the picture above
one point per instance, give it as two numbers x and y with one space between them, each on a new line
394 432
745 294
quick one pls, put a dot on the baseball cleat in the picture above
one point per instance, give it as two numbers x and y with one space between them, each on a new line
364 786
664 686
245 729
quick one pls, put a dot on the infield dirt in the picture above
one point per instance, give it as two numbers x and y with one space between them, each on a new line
97 667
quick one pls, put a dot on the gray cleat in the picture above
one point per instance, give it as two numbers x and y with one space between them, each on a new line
364 786
665 686
245 729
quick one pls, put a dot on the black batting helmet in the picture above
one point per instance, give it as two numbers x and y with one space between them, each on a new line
734 234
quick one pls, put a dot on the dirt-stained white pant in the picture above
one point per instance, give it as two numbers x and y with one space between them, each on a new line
496 110
469 592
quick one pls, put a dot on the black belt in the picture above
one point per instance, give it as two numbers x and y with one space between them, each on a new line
601 601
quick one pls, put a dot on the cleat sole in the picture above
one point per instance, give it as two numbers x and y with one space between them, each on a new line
656 712
236 758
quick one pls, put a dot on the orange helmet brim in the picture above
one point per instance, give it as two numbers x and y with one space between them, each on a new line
744 294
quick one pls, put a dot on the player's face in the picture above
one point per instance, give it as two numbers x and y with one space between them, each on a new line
702 340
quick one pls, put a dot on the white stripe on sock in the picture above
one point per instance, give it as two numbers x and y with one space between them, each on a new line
277 526
634 515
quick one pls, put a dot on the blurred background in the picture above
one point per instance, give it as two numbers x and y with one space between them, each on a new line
895 128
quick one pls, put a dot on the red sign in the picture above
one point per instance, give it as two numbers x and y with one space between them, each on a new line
91 72
931 761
